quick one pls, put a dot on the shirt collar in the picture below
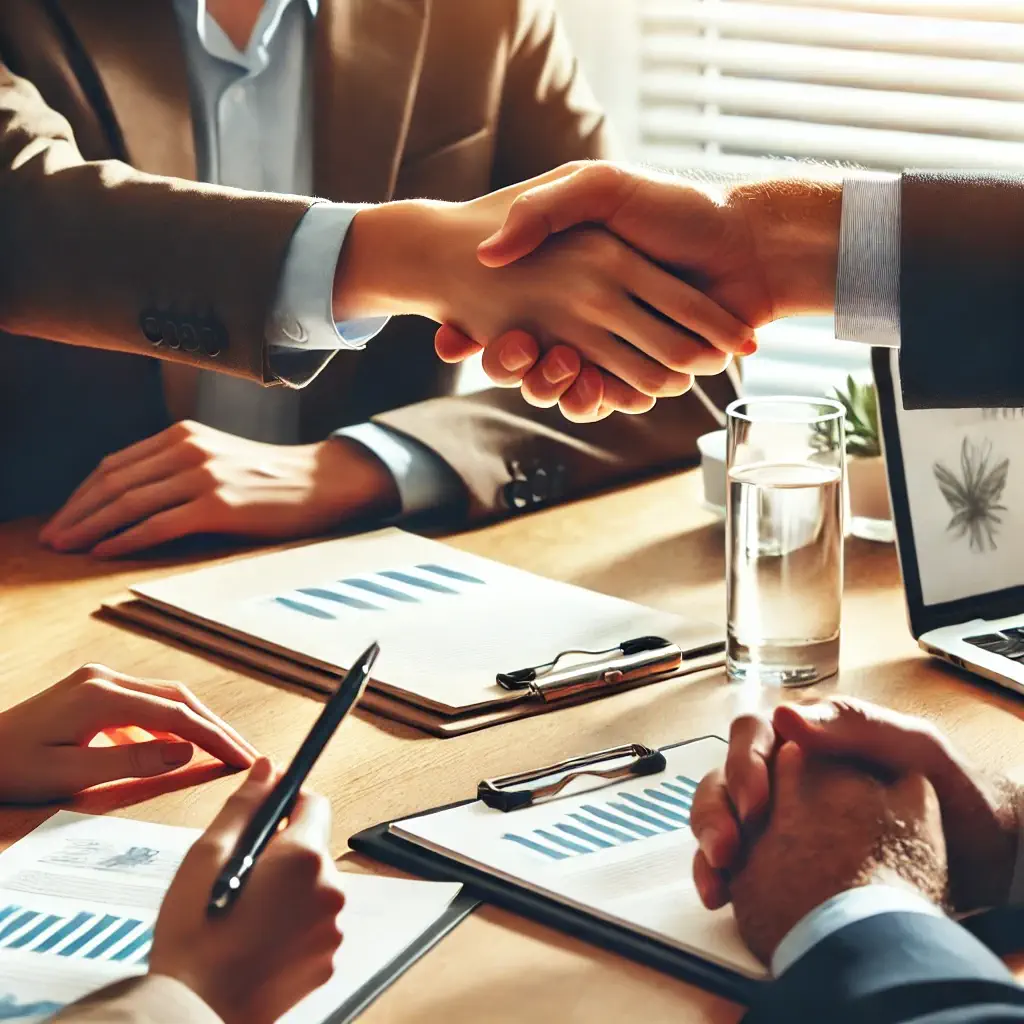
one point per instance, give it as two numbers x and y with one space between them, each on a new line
216 43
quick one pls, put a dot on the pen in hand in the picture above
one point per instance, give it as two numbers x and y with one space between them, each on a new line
278 805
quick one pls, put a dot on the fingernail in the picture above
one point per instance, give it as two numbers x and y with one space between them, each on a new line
749 347
489 240
556 369
177 754
742 806
710 842
514 357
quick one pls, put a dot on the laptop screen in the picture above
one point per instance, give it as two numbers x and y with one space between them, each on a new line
958 493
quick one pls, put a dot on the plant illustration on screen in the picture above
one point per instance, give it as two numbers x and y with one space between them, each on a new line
975 494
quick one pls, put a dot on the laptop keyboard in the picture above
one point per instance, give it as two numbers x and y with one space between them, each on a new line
1008 643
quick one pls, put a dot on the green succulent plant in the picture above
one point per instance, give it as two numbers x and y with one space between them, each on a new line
860 405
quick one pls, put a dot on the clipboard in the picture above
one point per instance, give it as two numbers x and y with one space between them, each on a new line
528 691
458 910
380 843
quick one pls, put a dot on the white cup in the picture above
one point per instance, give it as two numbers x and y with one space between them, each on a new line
712 467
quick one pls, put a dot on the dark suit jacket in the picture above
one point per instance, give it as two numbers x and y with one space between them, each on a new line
962 289
894 969
101 222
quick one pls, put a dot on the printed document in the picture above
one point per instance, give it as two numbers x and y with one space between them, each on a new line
80 894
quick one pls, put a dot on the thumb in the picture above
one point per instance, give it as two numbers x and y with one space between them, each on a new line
849 728
227 827
592 194
68 770
788 768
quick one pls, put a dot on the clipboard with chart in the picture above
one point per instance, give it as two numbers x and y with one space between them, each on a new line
467 642
598 846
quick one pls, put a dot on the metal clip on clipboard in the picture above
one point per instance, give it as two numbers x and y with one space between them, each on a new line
645 657
503 795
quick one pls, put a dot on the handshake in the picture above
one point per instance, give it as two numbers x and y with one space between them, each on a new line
596 287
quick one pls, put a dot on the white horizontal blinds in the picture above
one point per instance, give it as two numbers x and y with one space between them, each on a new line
747 85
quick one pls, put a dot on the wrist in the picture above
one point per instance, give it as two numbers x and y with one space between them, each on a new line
387 264
361 484
794 226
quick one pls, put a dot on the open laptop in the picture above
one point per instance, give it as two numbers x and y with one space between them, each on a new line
956 479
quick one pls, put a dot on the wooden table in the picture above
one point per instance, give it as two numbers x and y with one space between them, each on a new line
651 543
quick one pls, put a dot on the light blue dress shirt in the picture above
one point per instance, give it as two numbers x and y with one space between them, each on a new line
252 112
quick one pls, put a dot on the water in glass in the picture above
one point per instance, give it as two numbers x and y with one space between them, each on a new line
785 571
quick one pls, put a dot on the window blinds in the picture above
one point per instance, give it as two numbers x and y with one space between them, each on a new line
749 86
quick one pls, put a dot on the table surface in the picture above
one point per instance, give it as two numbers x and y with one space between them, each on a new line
650 543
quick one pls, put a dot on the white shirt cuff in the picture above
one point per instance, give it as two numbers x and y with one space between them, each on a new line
425 482
303 316
868 276
845 909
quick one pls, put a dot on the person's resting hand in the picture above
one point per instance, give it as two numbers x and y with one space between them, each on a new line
833 827
586 288
979 811
191 479
44 741
278 941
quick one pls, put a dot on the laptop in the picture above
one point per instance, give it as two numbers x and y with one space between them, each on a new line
956 480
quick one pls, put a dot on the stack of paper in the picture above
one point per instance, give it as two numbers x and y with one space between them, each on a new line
448 622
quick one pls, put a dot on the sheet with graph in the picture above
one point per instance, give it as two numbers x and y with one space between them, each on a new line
447 621
80 894
620 851
78 899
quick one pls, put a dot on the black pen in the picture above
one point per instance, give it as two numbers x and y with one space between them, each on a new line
279 804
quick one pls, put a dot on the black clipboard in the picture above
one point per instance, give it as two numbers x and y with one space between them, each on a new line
378 842
458 910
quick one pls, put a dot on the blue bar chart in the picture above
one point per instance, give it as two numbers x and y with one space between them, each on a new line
379 591
85 935
627 818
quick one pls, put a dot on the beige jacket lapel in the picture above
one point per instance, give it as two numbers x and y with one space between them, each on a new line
136 50
369 54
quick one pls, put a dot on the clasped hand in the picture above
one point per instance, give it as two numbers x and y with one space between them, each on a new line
826 797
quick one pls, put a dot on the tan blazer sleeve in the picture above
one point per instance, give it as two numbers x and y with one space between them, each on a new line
511 457
149 999
99 254
548 113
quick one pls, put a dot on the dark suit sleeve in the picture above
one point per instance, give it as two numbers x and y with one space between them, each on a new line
896 968
962 290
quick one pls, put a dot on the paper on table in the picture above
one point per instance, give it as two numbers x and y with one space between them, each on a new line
80 894
447 621
620 851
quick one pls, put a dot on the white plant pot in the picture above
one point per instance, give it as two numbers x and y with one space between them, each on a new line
870 512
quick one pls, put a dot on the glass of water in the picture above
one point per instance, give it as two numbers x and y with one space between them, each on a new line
784 525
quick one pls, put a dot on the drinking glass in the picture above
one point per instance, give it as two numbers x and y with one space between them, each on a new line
784 527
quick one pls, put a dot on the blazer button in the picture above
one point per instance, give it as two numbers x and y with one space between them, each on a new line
539 486
170 334
209 342
517 495
151 328
189 337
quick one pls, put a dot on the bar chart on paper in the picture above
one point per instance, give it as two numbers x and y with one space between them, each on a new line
600 825
83 935
382 591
